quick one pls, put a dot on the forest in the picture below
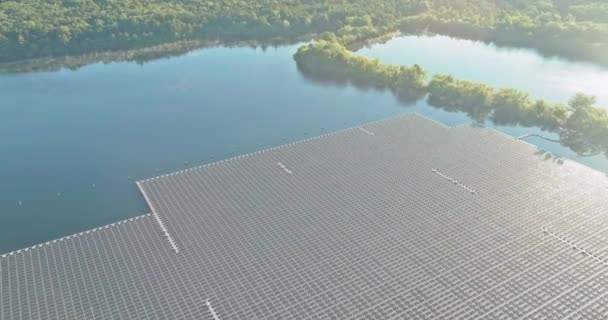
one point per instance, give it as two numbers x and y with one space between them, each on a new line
581 125
43 28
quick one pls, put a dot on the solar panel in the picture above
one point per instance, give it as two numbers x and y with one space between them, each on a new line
398 219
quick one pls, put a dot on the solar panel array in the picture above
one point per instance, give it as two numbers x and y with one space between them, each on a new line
400 219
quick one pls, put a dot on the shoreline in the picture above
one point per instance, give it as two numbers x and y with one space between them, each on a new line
182 47
140 55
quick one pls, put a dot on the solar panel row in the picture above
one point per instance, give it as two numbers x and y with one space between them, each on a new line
379 222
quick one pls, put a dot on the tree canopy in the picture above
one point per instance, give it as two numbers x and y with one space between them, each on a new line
32 28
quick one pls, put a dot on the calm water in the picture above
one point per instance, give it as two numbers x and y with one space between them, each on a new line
550 78
72 143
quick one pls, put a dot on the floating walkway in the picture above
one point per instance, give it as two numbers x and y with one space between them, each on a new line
398 219
531 135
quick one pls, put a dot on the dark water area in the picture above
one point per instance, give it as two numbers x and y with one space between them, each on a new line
73 143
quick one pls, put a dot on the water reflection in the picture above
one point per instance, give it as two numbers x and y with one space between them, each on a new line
139 56
405 97
554 79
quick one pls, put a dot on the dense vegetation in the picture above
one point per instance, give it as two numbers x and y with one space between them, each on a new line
571 28
28 28
581 126
55 27
330 61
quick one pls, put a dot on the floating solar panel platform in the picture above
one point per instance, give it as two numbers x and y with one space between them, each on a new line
398 219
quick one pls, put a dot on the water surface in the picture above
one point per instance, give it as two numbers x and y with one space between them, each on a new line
72 143
554 79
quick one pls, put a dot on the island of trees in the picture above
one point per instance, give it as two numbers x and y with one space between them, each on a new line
580 125
34 28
